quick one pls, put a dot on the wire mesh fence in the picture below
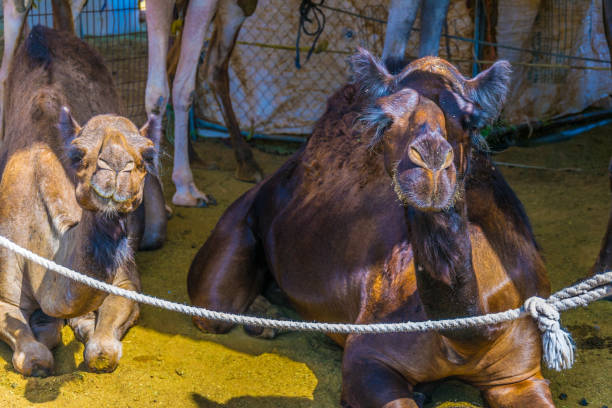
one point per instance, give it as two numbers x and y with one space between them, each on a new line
271 95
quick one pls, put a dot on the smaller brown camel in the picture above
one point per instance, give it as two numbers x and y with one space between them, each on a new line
69 193
407 221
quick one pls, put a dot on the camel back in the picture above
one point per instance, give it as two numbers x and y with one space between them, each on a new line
53 69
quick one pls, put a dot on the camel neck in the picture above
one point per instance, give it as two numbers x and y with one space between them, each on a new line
443 262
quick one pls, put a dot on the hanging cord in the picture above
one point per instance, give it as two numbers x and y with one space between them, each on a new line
310 14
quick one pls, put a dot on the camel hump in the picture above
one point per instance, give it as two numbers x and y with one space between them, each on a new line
37 46
62 51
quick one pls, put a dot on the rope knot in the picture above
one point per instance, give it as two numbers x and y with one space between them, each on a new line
557 344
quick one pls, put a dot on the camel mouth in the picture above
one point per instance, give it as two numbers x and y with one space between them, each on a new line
113 201
421 190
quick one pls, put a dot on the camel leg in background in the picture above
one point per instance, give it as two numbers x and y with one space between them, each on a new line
62 15
197 19
65 13
402 14
76 7
159 17
433 15
13 23
228 21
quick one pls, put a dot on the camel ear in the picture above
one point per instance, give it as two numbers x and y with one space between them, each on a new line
152 131
489 89
466 112
68 127
370 74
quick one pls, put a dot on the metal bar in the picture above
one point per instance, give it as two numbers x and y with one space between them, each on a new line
477 22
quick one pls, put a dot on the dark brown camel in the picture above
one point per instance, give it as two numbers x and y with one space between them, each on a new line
408 221
604 260
70 193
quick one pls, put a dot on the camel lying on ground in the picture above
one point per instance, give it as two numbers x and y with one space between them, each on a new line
70 193
404 218
604 260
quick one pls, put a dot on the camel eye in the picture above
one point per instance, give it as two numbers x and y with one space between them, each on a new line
149 156
75 156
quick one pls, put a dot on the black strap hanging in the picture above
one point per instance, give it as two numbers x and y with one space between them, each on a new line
310 14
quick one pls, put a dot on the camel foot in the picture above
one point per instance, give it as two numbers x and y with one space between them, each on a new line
192 197
249 171
33 359
102 355
83 326
46 329
262 307
210 326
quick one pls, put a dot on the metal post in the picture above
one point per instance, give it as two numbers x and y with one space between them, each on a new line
477 22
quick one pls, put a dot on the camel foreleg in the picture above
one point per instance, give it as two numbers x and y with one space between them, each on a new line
197 20
433 15
228 22
13 24
159 17
402 14
532 392
30 356
368 382
103 330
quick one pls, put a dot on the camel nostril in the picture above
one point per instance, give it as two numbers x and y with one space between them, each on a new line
448 160
416 157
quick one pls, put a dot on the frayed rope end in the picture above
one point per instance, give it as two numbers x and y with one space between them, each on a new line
557 343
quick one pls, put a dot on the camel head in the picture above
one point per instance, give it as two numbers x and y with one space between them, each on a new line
427 120
109 158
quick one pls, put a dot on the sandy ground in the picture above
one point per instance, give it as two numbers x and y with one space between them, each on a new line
168 363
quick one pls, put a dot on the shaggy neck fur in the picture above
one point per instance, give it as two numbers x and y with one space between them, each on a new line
443 263
109 242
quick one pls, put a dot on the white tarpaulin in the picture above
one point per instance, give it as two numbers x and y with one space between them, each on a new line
561 27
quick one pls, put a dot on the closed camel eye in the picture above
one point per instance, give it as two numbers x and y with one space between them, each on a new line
128 167
104 165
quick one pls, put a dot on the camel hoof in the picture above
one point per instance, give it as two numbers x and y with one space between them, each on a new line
262 307
33 359
207 326
188 200
168 211
249 172
102 356
267 333
83 326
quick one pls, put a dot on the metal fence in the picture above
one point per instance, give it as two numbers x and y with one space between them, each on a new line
270 95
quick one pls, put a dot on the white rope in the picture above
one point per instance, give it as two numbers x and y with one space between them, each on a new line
558 347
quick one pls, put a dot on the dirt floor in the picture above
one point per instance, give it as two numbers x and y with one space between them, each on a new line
168 363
